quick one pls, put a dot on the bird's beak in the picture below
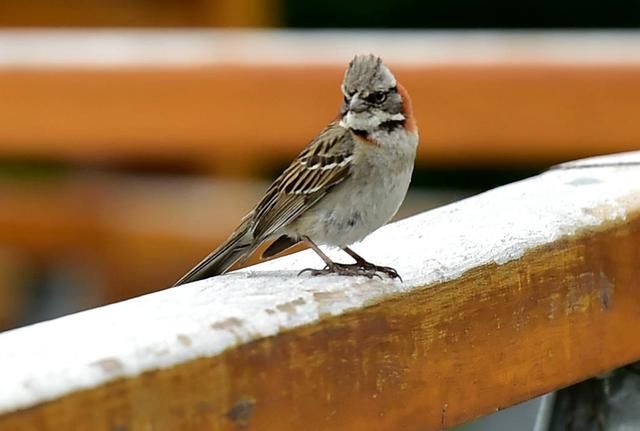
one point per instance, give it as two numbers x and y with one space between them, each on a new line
356 104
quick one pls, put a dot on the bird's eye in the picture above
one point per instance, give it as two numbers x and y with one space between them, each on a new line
377 97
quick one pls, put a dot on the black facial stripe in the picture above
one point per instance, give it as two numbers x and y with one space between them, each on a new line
391 125
361 133
343 109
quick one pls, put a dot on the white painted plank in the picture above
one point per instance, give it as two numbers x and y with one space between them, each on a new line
629 159
104 48
50 359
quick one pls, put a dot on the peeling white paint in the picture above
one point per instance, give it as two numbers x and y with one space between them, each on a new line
47 360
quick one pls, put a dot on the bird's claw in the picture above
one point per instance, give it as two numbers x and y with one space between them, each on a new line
367 269
313 271
392 273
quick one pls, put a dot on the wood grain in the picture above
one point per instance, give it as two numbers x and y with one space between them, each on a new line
229 118
498 335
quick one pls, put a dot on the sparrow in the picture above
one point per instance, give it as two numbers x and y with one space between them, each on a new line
348 181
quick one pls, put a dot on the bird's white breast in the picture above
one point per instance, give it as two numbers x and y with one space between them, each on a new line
370 197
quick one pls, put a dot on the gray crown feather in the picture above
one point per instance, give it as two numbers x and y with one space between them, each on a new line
368 72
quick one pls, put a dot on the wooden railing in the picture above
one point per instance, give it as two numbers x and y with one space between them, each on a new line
507 295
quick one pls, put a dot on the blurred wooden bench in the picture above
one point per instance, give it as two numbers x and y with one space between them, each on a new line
226 101
137 234
243 103
500 303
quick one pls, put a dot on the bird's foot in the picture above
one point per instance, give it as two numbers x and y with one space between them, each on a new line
342 269
365 269
392 273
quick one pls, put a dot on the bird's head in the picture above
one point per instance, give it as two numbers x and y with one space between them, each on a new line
372 99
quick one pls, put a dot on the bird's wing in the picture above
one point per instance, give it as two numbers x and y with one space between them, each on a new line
323 164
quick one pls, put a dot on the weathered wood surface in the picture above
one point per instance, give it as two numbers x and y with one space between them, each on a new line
507 295
222 100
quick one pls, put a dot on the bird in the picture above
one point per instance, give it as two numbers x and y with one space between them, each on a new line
347 182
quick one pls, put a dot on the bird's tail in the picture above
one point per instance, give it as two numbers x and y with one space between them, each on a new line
238 246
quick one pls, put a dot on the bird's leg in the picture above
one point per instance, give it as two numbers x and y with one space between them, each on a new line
327 260
334 267
362 263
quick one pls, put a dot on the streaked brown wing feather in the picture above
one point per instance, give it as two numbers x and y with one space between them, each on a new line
323 164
